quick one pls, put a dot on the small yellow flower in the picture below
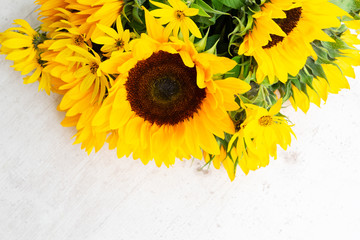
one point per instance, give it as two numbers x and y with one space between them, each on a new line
177 17
90 72
113 40
21 44
267 129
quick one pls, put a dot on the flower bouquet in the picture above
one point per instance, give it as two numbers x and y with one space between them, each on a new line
173 79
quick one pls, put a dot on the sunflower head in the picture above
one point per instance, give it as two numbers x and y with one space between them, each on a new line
164 96
163 90
282 34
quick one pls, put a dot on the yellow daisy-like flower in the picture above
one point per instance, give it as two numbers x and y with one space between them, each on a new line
90 73
281 37
115 40
267 129
255 140
177 18
165 103
57 51
22 45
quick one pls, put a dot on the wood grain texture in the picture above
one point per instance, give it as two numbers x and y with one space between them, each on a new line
51 189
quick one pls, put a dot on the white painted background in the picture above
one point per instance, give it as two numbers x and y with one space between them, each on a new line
51 189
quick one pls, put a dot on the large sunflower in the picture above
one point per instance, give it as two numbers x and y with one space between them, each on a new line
281 37
165 102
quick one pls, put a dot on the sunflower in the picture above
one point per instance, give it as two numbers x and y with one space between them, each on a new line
177 18
165 103
283 49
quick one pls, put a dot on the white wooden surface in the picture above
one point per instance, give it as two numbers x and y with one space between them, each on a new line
51 189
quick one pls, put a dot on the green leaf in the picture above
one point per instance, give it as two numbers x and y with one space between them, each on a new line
347 5
201 10
235 4
208 9
139 2
135 14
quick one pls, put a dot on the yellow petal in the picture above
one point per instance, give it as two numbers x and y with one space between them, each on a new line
191 12
154 29
160 5
192 27
206 139
186 58
276 107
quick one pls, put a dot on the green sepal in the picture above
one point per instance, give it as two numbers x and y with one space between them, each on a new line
201 44
235 72
305 77
211 41
315 68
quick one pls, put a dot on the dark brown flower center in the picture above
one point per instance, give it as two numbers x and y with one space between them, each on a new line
94 67
162 90
265 121
286 24
119 44
78 40
180 15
